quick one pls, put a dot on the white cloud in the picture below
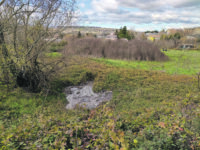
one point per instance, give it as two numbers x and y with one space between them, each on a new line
142 4
105 5
137 12
183 3
158 4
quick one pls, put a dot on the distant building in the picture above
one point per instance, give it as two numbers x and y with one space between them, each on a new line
111 36
153 36
173 31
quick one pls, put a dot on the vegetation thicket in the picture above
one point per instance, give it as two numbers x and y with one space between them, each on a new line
120 49
174 37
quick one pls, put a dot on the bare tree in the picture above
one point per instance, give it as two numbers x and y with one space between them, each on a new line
26 29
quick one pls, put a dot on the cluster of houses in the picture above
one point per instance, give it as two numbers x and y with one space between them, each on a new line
155 36
110 36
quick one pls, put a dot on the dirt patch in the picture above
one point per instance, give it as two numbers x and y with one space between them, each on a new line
83 96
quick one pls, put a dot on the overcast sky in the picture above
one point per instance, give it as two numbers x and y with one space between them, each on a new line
140 14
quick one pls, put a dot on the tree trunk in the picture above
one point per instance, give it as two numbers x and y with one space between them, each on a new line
8 63
4 53
4 50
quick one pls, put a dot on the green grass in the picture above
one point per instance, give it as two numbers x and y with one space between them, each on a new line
149 110
180 62
54 54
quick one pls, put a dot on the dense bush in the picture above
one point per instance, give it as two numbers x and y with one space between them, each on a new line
119 49
57 46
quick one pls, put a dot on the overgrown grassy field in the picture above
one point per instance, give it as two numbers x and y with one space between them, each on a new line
181 62
150 110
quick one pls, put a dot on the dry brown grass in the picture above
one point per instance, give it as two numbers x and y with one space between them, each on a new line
119 49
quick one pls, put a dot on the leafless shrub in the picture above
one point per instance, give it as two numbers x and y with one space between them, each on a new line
27 28
169 44
118 49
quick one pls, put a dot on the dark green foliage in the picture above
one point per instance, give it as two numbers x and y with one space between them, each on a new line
79 35
176 36
155 31
124 33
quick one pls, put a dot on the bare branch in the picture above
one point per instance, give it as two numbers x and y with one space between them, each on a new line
1 3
